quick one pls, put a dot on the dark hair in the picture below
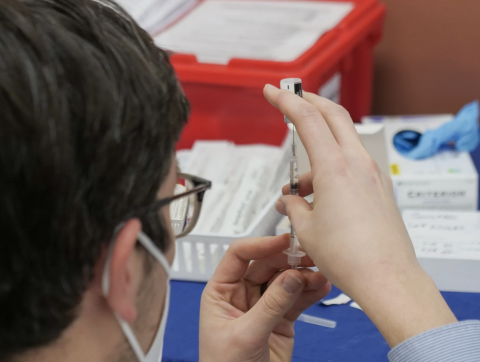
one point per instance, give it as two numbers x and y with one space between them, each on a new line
90 111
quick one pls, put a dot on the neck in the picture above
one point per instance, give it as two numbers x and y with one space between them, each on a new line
94 337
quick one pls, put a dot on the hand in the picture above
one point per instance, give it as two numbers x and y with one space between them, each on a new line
463 130
237 321
353 230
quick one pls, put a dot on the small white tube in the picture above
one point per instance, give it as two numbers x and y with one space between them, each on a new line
317 321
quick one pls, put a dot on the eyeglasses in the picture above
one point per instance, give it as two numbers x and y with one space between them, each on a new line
185 204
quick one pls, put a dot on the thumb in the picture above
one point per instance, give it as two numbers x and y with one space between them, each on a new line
277 300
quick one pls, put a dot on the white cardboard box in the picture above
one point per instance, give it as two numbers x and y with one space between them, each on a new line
448 180
447 245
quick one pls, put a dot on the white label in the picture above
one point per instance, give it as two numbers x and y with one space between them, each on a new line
331 89
436 194
444 234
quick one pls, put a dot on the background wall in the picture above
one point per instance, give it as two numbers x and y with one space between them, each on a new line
429 58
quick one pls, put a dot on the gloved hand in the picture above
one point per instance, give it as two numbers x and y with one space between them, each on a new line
463 130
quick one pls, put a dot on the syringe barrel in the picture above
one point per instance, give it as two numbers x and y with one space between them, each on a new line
294 176
294 244
293 85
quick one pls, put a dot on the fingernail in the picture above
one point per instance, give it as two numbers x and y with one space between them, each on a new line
269 86
291 284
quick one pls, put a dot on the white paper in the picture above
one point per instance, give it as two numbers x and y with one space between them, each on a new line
341 299
164 13
244 179
217 30
355 305
154 15
444 234
136 8
183 156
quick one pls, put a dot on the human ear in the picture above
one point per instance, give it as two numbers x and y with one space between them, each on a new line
124 272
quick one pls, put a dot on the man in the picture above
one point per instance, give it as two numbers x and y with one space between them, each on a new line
91 111
90 114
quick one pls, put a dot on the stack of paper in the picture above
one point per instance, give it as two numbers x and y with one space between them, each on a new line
218 30
447 244
154 15
245 179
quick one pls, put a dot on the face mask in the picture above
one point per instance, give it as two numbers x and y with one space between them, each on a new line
156 350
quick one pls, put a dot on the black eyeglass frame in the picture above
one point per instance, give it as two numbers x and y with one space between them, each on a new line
201 185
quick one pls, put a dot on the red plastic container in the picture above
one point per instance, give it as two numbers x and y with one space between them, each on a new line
227 100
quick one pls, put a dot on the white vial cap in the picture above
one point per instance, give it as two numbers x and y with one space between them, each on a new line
293 85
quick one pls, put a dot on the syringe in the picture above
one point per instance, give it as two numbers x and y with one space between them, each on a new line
294 253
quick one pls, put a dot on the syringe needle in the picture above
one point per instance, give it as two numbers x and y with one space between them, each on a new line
293 142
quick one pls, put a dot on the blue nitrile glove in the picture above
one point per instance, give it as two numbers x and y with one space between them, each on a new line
463 130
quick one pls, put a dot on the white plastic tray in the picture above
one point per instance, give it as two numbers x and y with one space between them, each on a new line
197 256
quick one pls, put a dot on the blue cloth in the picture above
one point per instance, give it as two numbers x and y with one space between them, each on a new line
455 342
355 339
461 134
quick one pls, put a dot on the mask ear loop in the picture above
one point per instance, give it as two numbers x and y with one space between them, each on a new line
137 349
148 244
152 249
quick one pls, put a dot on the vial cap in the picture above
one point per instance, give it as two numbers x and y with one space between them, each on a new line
293 85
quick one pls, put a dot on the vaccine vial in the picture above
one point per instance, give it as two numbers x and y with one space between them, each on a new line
293 85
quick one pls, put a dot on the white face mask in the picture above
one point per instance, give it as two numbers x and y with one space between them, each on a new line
155 352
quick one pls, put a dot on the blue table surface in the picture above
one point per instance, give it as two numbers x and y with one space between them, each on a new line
355 339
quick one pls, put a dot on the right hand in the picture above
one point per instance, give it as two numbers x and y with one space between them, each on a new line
353 230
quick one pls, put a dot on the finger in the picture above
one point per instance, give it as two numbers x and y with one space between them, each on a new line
280 207
261 271
296 208
316 288
306 300
309 122
305 184
235 262
314 280
338 120
278 299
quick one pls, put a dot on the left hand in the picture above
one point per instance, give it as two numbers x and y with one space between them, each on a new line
248 309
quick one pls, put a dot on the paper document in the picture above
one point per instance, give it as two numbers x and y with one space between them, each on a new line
355 305
444 234
339 300
218 30
154 15
244 180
